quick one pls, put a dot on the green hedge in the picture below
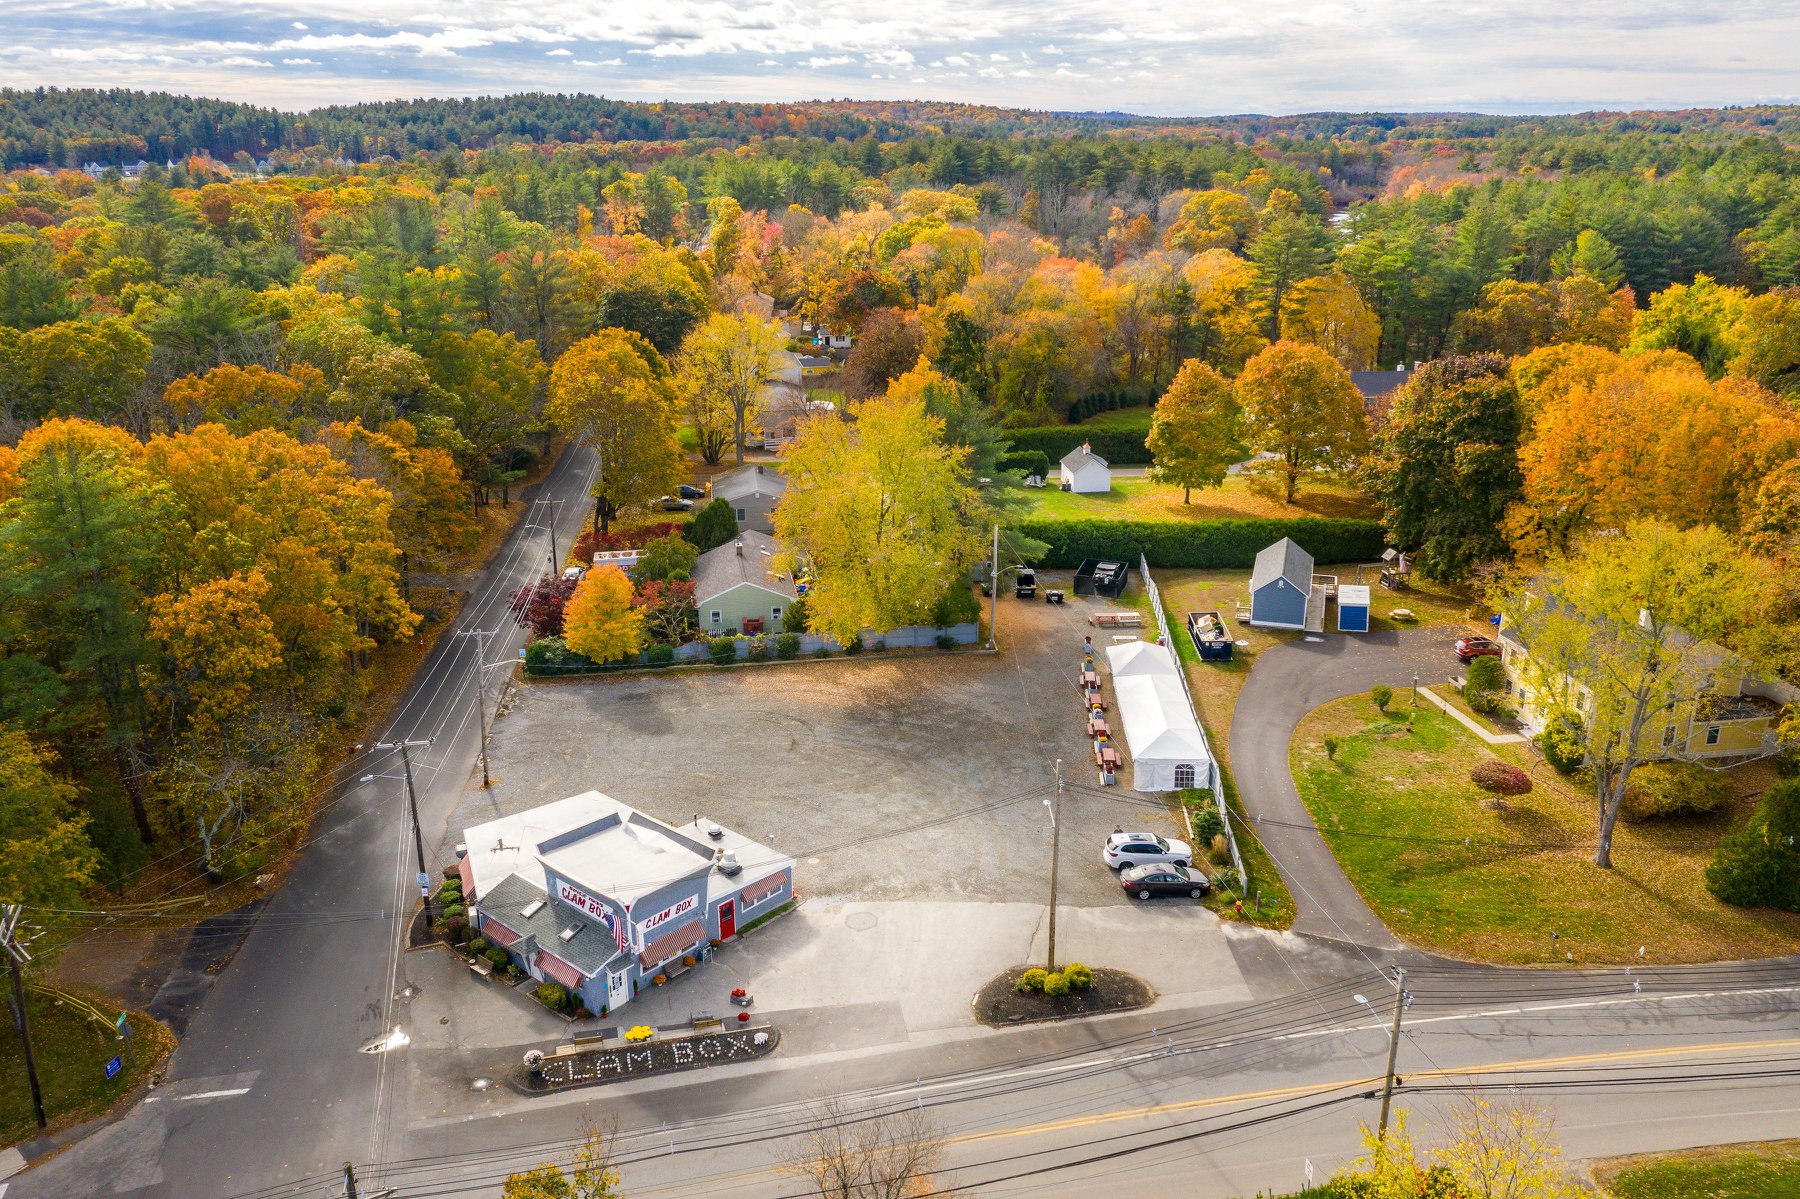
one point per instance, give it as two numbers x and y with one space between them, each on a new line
1120 447
1205 544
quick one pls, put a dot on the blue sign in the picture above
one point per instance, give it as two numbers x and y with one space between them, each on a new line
113 1067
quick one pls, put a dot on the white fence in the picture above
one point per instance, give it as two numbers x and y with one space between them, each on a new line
1215 780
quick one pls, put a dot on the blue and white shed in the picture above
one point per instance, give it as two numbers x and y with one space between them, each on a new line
1353 608
1280 586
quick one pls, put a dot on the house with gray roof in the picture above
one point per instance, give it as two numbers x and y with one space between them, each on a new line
737 588
752 491
1281 586
1085 472
590 893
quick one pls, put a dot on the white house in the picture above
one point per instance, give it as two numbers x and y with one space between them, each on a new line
1085 472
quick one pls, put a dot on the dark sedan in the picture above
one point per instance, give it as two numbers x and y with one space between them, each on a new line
688 491
1163 878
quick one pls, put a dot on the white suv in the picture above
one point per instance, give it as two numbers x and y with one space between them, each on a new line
1137 849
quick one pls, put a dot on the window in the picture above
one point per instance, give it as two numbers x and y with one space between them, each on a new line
775 614
1184 775
1712 734
739 513
715 616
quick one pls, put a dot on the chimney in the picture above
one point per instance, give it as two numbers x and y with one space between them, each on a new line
1086 448
740 549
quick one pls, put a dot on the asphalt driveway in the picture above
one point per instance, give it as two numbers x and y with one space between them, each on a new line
1287 682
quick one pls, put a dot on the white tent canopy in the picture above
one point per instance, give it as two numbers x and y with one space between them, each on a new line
1160 729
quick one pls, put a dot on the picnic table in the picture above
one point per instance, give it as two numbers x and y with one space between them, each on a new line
1116 620
1097 727
1106 757
1089 679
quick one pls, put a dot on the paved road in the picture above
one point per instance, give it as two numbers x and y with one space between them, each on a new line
1288 682
268 1083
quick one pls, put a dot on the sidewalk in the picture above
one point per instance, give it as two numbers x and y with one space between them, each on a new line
1452 710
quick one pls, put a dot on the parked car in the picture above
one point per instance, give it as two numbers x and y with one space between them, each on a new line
1163 878
1470 648
1139 849
688 491
674 503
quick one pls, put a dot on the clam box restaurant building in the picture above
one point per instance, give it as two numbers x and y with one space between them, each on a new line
595 895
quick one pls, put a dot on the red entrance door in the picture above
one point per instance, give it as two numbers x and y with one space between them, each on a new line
728 919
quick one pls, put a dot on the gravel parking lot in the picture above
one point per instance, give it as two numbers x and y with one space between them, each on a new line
886 777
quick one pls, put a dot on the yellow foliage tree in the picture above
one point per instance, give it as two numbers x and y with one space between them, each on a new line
599 622
880 511
1327 311
612 391
1301 408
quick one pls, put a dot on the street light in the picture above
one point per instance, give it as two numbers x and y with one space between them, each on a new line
1387 1082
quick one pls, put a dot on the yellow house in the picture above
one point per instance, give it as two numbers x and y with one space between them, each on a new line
1732 712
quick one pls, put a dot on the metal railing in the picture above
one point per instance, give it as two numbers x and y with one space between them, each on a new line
1215 781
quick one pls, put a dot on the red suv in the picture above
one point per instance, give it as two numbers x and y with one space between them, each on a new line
1470 648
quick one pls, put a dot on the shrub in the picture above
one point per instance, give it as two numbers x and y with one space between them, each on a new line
1056 984
1759 865
1079 976
453 870
457 929
822 652
712 526
1207 824
452 910
1219 849
1226 878
450 891
855 646
1561 743
722 651
795 616
497 955
1120 447
554 996
640 1032
1382 695
1331 747
660 654
478 945
1674 789
1485 685
552 656
758 650
959 605
1030 981
946 641
1501 778
878 646
787 646
1203 544
1026 462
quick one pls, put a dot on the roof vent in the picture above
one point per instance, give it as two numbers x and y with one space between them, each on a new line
728 863
531 909
568 934
740 549
715 832
462 850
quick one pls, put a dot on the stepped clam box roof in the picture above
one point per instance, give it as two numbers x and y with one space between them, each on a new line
595 895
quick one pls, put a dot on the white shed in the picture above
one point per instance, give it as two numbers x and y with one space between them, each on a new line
1168 748
1085 472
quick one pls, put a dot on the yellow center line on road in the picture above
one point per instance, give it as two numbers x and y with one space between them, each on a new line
1320 1088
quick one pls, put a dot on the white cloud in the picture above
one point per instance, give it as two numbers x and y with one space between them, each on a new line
299 24
1051 49
836 60
559 52
300 62
998 58
242 60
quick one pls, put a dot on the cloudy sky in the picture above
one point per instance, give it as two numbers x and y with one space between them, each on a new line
1164 57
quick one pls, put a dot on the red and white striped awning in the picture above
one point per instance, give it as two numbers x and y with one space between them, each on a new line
758 891
673 942
498 933
551 966
466 869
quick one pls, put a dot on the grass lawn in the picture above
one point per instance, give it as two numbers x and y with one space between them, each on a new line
72 1051
1140 499
1121 418
1769 1170
1454 698
1450 870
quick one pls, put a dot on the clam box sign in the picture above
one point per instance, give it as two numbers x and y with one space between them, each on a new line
581 901
651 924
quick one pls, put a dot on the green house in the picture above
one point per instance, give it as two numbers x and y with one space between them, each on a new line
736 587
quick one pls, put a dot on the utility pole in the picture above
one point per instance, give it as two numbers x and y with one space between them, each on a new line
550 524
1387 1084
412 802
481 636
15 958
994 588
350 1191
1055 848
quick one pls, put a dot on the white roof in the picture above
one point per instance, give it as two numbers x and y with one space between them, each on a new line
1357 596
1153 706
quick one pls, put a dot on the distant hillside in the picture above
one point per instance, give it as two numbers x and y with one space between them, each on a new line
53 126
